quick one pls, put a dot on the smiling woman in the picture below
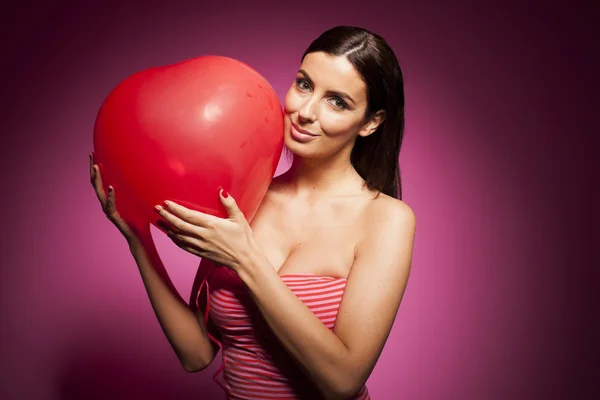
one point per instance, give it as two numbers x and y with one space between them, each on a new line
302 300
350 80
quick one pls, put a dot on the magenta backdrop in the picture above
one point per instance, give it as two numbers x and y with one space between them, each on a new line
499 304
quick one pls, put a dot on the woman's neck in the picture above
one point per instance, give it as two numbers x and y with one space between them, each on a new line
316 177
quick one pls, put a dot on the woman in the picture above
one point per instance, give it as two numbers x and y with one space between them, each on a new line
301 300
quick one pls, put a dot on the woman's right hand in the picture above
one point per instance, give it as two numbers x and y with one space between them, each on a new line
108 202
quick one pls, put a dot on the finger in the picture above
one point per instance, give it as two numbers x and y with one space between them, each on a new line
165 227
191 250
113 214
99 188
191 245
92 171
178 238
91 168
175 238
111 207
230 205
192 217
181 226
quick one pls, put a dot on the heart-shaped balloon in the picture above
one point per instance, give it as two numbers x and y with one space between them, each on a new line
183 131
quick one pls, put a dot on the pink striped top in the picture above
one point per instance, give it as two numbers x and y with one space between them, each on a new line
254 364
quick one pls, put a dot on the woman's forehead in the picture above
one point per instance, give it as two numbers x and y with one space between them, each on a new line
334 73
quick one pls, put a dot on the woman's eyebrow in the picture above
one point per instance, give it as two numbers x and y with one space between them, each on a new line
329 92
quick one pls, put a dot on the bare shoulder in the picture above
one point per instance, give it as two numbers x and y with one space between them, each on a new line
386 245
385 203
389 216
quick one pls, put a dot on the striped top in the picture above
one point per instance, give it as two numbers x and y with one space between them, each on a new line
255 365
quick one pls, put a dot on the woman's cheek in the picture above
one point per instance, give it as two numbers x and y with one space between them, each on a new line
332 125
290 102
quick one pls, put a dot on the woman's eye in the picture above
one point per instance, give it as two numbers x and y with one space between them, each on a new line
339 103
302 84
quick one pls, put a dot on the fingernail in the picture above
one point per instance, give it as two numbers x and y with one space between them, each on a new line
225 194
110 188
157 208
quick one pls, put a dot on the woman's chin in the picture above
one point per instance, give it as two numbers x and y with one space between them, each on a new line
297 148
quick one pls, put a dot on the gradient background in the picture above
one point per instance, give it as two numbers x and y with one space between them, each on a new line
496 163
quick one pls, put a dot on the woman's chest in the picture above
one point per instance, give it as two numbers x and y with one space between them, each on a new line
317 241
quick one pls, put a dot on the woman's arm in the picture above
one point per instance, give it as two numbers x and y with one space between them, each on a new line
198 303
186 334
340 361
183 328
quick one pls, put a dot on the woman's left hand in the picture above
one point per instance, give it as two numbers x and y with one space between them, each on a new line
226 241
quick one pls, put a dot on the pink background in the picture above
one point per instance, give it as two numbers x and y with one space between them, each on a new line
495 163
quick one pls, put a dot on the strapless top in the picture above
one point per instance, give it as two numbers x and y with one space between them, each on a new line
255 365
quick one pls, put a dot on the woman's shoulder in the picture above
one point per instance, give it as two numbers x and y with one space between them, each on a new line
386 203
385 210
386 221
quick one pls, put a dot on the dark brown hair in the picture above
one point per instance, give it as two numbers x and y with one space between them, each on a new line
374 157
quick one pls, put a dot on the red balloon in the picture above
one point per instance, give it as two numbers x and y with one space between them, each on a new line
181 132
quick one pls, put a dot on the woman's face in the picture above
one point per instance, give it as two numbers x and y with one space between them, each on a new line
327 101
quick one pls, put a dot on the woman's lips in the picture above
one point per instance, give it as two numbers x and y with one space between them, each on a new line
301 136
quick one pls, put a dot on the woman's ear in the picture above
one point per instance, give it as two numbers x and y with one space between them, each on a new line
372 124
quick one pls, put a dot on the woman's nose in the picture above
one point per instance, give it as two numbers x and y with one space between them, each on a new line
307 112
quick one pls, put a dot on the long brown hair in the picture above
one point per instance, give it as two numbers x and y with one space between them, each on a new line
374 157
